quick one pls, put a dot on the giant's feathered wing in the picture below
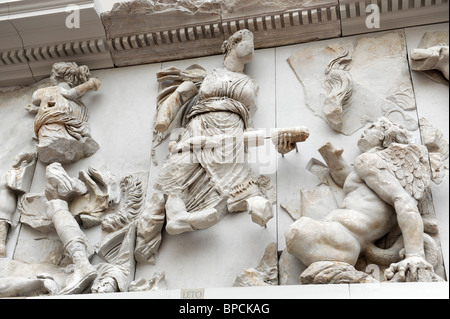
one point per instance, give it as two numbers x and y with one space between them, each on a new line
410 164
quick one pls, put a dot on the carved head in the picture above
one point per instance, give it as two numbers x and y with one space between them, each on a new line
240 45
381 134
70 73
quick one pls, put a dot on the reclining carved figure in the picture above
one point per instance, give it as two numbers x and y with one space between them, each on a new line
382 190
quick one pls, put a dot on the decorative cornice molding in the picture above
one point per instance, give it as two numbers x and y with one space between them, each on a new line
36 37
205 38
135 32
33 7
55 51
393 14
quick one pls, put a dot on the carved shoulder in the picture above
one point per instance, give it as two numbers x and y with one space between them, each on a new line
408 163
367 163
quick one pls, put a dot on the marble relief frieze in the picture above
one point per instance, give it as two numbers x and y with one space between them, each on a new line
375 211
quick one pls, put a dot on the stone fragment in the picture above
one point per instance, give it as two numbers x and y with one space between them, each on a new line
20 177
265 274
432 56
157 282
360 75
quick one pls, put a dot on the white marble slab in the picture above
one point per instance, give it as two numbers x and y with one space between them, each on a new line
122 113
15 138
356 292
292 110
213 258
121 117
433 103
414 291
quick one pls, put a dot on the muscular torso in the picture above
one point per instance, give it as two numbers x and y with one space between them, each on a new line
360 197
363 212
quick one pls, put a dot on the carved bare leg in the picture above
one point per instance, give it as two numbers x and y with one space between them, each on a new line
149 227
8 203
74 243
313 241
180 221
4 226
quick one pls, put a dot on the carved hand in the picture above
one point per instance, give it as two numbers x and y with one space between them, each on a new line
285 143
95 84
408 270
285 140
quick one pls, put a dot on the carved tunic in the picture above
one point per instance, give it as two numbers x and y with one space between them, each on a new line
203 177
58 122
55 110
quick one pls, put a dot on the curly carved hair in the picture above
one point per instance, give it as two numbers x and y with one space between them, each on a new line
235 39
393 132
69 72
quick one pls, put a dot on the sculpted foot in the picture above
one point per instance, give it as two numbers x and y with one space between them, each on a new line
82 277
180 221
260 209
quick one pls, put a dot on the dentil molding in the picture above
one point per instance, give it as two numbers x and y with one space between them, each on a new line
34 36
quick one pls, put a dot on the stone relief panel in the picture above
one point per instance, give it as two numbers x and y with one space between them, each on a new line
65 234
207 173
349 234
68 207
353 81
96 226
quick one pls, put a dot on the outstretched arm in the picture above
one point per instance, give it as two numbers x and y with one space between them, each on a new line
339 167
77 92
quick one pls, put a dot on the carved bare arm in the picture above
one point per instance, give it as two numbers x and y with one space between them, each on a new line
172 105
339 167
77 92
33 108
372 170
